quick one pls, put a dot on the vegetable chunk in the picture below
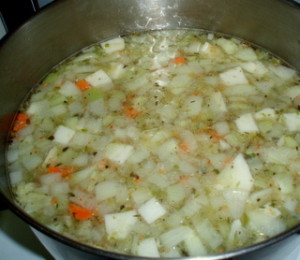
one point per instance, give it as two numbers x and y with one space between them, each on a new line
118 225
236 175
234 76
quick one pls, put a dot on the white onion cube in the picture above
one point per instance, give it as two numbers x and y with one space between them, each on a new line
118 225
218 102
118 153
174 236
264 222
292 121
255 67
233 76
208 234
246 124
180 83
236 175
283 72
148 248
69 89
113 45
265 113
39 108
151 210
246 54
194 245
99 79
16 177
106 190
293 92
193 105
63 134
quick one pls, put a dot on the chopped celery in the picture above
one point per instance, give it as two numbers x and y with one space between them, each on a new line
93 94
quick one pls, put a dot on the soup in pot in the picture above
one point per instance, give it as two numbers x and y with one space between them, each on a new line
164 144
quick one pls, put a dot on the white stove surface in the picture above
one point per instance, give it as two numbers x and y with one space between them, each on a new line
17 241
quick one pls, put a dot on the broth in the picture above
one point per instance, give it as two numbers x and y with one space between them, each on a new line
162 144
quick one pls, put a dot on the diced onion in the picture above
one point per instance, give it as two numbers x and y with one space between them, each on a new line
151 210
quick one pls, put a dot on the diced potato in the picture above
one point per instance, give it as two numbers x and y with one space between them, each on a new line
263 221
151 210
255 67
208 234
118 225
265 113
99 79
218 103
63 134
246 124
16 177
69 89
113 45
278 155
246 54
141 195
292 121
227 45
234 76
107 189
179 84
175 193
148 248
236 175
194 246
283 72
293 92
174 236
39 108
118 152
167 149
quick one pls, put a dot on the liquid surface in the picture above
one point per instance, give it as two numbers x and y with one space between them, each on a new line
162 144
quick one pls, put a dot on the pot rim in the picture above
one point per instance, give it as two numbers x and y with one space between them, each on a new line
11 205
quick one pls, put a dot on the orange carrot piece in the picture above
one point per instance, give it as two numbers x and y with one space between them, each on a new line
64 171
298 208
80 213
21 121
183 146
83 85
136 181
131 112
54 200
179 60
228 160
215 135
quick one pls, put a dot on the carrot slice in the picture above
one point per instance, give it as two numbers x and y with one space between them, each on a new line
80 213
183 146
83 85
21 121
64 171
131 112
179 60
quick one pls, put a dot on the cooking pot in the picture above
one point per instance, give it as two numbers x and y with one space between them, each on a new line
69 25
